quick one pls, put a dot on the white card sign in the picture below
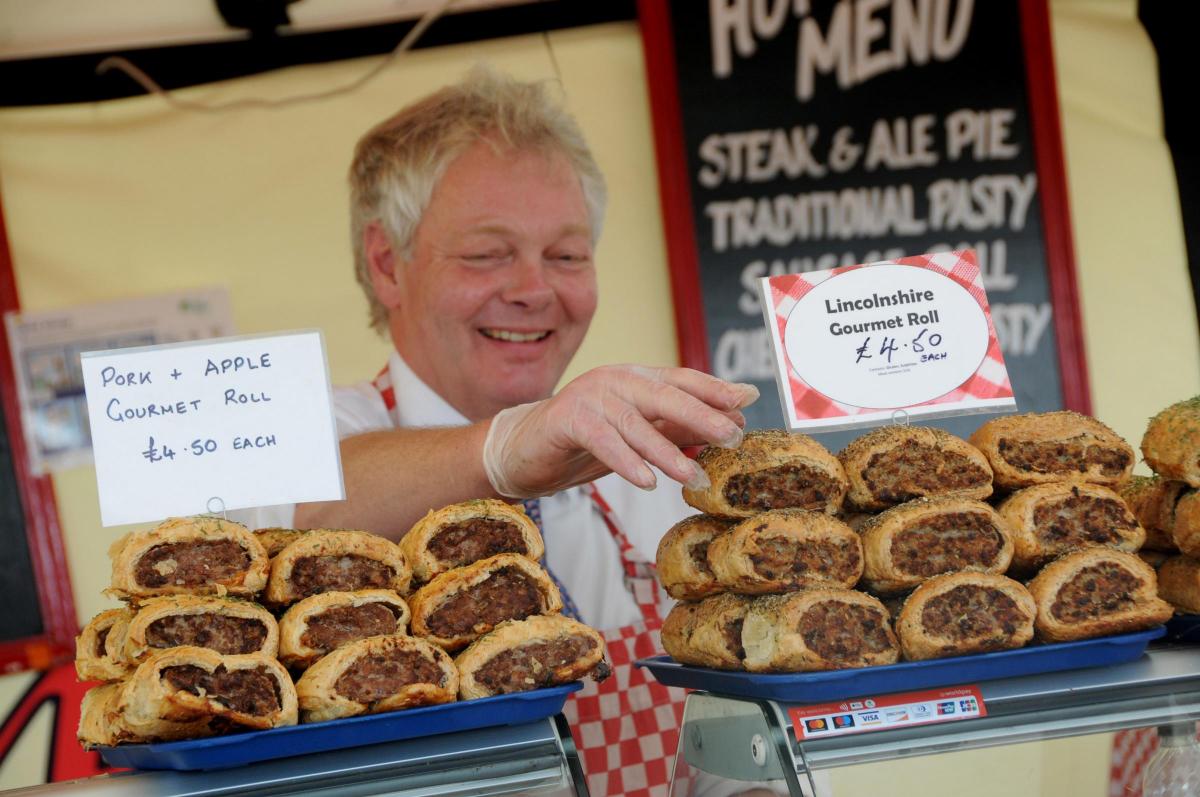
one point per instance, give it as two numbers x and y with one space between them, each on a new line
857 345
232 423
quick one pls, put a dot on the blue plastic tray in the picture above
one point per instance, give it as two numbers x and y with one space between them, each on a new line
1184 629
237 749
819 687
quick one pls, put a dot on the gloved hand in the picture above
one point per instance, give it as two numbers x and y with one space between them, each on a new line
615 418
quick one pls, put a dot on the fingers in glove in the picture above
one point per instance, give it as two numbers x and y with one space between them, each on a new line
600 437
716 393
653 447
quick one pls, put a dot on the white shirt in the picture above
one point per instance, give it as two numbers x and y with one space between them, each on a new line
580 551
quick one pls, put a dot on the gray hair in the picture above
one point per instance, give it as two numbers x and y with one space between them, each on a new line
399 161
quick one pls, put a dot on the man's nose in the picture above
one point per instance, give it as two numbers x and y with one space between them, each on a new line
527 284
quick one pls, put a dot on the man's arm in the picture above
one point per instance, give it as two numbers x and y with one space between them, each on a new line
394 477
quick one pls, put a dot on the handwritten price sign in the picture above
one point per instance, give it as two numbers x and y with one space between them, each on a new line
221 424
855 345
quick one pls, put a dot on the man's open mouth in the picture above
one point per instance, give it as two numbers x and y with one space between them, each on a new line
515 337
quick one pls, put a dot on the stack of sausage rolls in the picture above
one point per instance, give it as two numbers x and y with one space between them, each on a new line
911 543
227 629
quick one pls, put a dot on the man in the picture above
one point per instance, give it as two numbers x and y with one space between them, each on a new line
474 216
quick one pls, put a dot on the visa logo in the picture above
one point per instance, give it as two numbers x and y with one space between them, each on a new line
869 718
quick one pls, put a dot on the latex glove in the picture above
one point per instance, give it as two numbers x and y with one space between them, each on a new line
615 418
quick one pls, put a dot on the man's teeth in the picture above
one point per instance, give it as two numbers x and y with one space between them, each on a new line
515 337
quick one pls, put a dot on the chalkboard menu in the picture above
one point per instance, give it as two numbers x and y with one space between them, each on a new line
800 136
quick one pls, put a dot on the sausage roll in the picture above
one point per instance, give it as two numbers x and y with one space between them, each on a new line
772 469
1179 583
1152 499
196 555
1171 445
1037 448
912 542
374 675
683 557
276 539
1095 592
786 549
520 655
461 605
99 718
1050 519
460 534
959 613
817 629
189 683
894 464
336 561
855 520
221 624
99 648
1186 530
320 623
708 633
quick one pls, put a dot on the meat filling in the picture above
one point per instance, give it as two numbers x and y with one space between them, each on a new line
507 594
779 488
461 544
970 612
1063 456
253 692
101 635
945 543
532 666
1080 520
699 553
912 470
733 638
216 631
1095 591
344 624
376 676
312 575
844 632
192 564
790 560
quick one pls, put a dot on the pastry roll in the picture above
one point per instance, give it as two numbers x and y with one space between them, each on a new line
959 613
221 624
786 549
520 655
460 534
914 541
1037 448
99 648
99 718
188 683
374 675
772 469
1171 445
817 629
461 605
320 623
196 555
336 561
276 539
894 464
1152 499
1179 583
1095 592
1186 529
683 557
1050 519
708 633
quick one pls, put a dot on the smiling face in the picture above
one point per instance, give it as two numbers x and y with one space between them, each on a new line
500 286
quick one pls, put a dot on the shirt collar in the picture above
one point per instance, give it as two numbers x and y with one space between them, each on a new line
416 403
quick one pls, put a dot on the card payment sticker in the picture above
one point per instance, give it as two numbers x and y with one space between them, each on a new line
860 715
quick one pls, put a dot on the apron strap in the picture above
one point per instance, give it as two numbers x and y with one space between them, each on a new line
640 575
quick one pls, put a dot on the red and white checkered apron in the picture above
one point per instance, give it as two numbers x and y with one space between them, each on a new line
626 728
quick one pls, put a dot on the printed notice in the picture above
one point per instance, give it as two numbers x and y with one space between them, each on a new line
859 345
196 428
887 712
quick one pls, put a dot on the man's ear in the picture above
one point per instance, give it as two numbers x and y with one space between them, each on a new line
383 264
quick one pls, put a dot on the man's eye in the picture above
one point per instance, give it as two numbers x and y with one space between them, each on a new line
485 257
570 257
